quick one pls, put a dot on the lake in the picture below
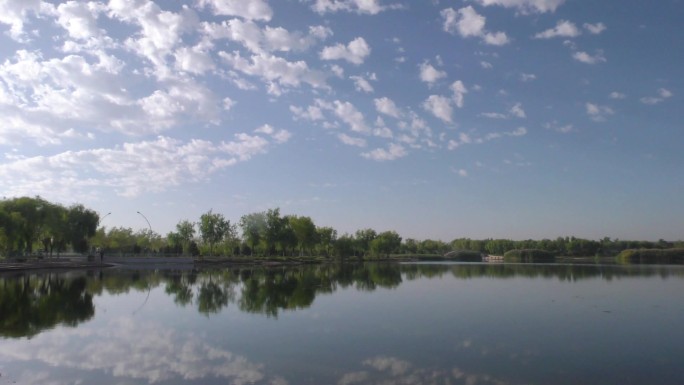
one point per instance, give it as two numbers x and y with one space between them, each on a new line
424 323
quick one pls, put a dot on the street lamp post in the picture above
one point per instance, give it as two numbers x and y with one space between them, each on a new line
148 223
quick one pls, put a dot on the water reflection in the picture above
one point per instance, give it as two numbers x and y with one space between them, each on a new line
149 352
31 303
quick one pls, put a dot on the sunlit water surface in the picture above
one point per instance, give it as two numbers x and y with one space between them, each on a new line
346 324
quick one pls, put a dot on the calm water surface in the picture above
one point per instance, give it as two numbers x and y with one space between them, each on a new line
346 324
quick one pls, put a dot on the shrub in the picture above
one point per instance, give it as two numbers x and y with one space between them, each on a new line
651 256
529 255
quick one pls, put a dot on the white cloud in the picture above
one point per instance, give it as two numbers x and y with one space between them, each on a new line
387 106
430 74
461 172
351 141
393 152
563 28
589 59
370 7
350 115
275 69
459 90
468 23
439 106
133 168
355 52
79 19
486 65
14 12
595 29
662 95
555 126
267 39
361 84
527 77
517 111
598 113
493 115
617 95
250 10
525 6
464 138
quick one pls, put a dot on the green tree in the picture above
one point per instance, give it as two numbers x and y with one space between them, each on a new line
213 228
305 232
385 243
253 229
186 232
363 239
326 237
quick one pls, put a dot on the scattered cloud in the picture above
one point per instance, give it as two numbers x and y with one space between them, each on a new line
598 113
430 74
584 57
134 168
370 7
617 95
387 106
662 95
517 111
355 52
459 90
525 6
557 127
393 152
351 141
468 23
527 77
563 28
595 29
439 106
361 84
250 10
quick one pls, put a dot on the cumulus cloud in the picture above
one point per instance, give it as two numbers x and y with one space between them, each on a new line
355 52
617 95
468 23
133 168
525 6
361 84
275 70
387 106
595 29
527 77
586 58
517 111
598 113
662 95
250 10
563 28
14 13
464 139
393 152
430 74
439 106
351 116
370 7
267 39
351 141
459 90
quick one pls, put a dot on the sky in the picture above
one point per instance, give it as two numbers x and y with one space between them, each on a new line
437 119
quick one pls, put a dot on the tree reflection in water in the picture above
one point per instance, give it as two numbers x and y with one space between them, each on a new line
31 303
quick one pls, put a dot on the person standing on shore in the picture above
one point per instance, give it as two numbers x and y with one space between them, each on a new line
101 254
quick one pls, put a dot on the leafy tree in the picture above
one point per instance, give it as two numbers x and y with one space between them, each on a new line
253 229
304 230
186 232
326 237
385 243
213 228
363 239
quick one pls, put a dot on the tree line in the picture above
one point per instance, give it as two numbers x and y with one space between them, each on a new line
28 224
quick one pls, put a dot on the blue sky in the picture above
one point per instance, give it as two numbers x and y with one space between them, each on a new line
438 119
